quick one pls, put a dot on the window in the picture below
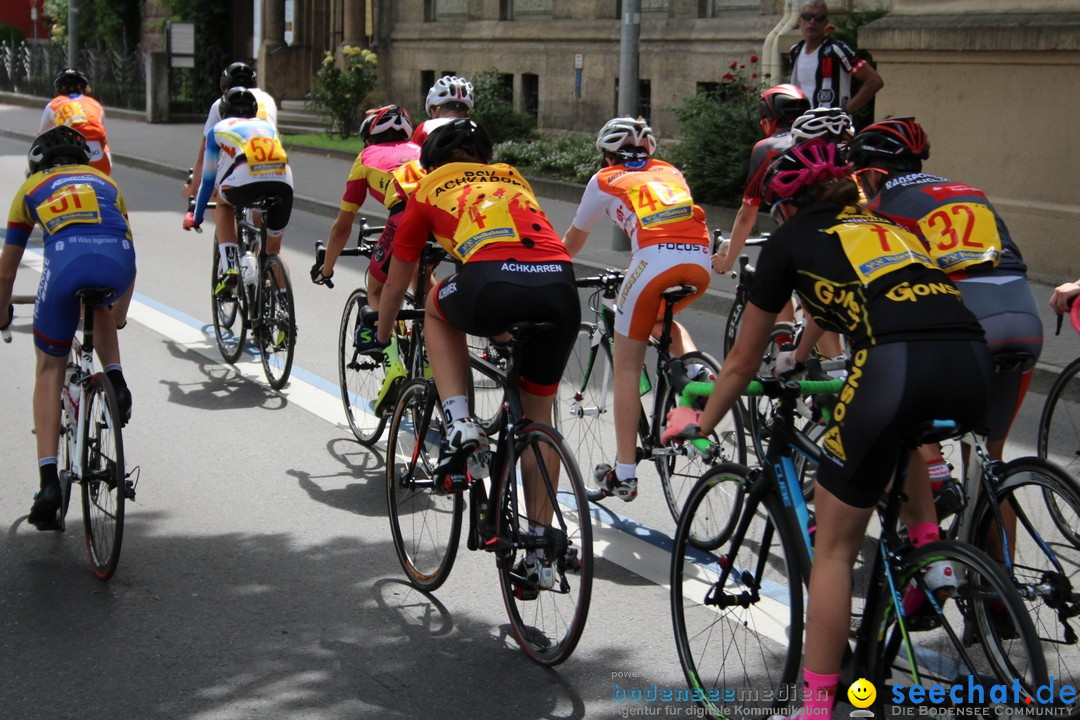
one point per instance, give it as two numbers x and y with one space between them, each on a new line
708 88
714 8
530 94
435 10
506 9
530 9
427 79
644 104
506 86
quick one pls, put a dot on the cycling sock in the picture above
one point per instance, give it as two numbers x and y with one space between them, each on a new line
693 369
625 471
47 471
116 377
819 689
456 407
923 533
227 256
939 473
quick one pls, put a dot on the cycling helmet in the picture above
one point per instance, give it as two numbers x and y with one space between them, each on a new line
57 146
829 124
384 119
449 89
631 139
239 74
799 168
783 102
458 134
70 80
897 143
239 102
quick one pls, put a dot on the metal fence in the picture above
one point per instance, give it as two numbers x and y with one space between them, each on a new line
117 77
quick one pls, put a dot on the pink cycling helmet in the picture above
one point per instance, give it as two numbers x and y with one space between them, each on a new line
801 167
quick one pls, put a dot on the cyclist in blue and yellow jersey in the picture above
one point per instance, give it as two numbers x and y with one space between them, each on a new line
244 161
918 355
88 243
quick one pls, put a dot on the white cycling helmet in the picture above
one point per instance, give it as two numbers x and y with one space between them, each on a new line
831 124
384 119
624 133
450 89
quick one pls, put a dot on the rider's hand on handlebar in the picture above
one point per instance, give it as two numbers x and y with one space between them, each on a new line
785 363
683 423
318 278
189 222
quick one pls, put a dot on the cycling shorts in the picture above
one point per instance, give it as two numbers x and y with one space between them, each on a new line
71 264
382 254
486 297
1009 313
653 270
244 195
890 390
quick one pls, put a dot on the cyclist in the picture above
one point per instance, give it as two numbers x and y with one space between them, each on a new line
1061 298
779 106
450 97
968 239
831 124
919 354
514 268
650 201
73 107
88 242
244 161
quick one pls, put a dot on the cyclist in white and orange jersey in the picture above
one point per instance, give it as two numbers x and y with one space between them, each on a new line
650 201
74 108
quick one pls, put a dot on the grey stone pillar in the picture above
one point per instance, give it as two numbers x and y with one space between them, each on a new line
157 87
353 23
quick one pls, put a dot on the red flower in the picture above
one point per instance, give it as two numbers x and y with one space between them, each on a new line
768 75
753 75
728 77
742 67
734 64
753 58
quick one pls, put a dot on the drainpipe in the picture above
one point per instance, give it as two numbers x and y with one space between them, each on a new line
771 61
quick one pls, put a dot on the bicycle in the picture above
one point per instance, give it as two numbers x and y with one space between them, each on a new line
1059 423
738 611
91 448
426 511
586 398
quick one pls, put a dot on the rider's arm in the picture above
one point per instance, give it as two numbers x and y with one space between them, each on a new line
209 175
339 236
812 333
871 83
190 188
398 279
1059 300
740 230
9 265
740 366
574 240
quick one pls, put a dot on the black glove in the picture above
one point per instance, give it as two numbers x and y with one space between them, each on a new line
318 278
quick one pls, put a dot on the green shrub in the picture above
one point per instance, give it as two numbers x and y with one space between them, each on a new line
570 157
494 110
338 95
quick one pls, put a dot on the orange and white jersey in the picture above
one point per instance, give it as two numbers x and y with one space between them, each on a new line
86 115
651 204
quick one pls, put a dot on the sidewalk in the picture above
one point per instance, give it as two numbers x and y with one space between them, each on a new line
319 178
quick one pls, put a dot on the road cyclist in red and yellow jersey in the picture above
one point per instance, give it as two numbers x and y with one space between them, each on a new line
650 201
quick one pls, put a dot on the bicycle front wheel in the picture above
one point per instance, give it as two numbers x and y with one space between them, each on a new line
277 336
226 309
360 377
104 481
952 637
585 407
737 610
547 613
425 521
1059 426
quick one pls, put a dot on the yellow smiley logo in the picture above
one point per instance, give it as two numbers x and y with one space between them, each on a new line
862 693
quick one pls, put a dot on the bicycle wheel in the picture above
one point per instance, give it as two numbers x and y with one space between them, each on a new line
425 522
225 308
1059 425
486 390
360 377
962 637
547 622
585 411
277 335
681 466
1045 560
104 482
734 317
739 643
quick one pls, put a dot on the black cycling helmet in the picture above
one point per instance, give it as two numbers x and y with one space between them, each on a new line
239 102
69 81
783 102
239 74
60 145
458 134
895 143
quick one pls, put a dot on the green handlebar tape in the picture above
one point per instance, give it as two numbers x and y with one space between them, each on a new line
806 387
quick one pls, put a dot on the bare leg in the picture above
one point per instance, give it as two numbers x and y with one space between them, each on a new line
537 501
448 354
681 342
49 378
629 357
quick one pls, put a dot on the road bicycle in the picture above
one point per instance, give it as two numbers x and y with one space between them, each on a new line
91 448
738 610
585 403
426 511
1059 424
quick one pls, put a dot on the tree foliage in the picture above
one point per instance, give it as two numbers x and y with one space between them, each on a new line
494 109
102 23
339 93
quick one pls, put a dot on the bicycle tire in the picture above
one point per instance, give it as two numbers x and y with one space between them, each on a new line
1045 558
548 626
65 451
225 311
277 334
1059 423
425 522
360 377
734 317
745 653
679 472
958 641
104 482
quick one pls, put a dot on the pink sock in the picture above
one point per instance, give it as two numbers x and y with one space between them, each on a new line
924 533
819 693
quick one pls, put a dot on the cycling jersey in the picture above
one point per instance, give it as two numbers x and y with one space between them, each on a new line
760 157
389 171
267 110
827 83
86 115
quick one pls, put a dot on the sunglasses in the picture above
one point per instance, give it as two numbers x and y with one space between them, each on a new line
777 216
819 17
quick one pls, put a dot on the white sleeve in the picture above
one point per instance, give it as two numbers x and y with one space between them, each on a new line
46 120
212 118
594 203
267 105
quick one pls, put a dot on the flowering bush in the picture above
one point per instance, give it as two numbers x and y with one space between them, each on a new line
339 93
571 157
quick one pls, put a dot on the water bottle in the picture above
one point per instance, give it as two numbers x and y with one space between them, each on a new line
72 391
249 268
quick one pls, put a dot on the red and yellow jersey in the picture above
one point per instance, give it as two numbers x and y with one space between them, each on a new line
477 212
67 200
389 171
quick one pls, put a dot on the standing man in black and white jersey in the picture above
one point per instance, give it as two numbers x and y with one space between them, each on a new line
823 66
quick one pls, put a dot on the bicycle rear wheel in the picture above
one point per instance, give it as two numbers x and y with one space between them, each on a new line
225 308
1045 556
360 377
739 637
547 622
486 389
1059 425
425 521
277 335
104 485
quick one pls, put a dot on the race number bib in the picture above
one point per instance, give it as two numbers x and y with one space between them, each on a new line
875 250
71 204
70 113
483 223
265 156
659 203
961 235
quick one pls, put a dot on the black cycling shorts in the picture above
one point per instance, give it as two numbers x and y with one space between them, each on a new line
486 298
890 390
244 195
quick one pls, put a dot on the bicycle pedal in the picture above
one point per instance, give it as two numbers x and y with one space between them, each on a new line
455 482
